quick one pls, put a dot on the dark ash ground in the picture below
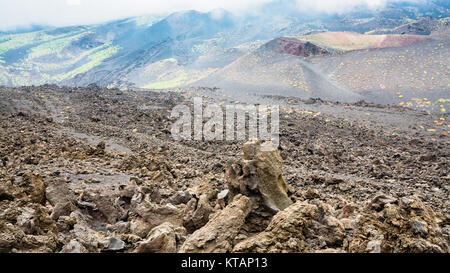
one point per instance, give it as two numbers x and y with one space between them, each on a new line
96 170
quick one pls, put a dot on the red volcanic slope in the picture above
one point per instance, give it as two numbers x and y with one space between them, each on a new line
400 41
295 47
354 41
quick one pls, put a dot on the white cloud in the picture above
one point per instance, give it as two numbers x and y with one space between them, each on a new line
339 6
73 2
70 12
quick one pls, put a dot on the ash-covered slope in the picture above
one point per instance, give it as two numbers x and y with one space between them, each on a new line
342 42
341 66
278 68
424 26
413 75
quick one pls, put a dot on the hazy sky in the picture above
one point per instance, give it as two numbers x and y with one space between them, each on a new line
15 13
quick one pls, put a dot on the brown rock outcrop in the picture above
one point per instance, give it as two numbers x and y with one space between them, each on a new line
164 238
58 194
285 231
260 172
32 186
408 226
218 234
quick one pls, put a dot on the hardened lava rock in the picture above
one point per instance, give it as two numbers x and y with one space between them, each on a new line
260 173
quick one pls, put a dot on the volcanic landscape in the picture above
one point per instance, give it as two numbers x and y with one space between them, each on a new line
88 162
95 169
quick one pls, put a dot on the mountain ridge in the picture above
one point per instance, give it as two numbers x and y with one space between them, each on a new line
182 48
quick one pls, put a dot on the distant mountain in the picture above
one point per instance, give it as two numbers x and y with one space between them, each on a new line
25 29
340 66
184 47
423 26
278 67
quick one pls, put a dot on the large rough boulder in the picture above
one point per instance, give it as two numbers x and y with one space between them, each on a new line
73 247
165 238
59 195
260 172
285 231
5 192
408 225
218 234
32 236
197 211
148 215
101 204
32 186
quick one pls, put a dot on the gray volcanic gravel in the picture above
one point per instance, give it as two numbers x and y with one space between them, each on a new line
97 170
